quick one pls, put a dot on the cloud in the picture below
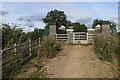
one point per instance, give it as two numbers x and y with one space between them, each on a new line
30 20
70 9
74 13
3 12
29 25
37 17
83 20
60 0
114 17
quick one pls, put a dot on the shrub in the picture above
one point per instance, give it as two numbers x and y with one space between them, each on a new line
106 46
49 47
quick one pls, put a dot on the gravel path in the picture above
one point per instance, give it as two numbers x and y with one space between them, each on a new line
77 62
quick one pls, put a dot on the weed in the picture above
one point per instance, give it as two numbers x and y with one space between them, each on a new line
36 75
38 67
106 46
49 47
17 71
86 44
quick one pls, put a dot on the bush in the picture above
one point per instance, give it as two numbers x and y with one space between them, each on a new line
49 47
11 35
106 46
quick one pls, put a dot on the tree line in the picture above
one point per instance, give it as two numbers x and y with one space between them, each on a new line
60 18
12 34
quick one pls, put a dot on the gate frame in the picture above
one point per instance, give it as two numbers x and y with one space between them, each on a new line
71 37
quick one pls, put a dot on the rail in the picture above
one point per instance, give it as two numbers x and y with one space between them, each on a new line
11 56
61 36
79 36
75 37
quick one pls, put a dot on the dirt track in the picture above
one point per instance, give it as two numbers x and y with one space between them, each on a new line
77 62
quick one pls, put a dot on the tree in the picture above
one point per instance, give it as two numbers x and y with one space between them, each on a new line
12 35
46 30
99 21
79 28
57 17
36 34
69 24
113 28
118 34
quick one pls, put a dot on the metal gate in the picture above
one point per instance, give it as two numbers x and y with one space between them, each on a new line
74 38
79 38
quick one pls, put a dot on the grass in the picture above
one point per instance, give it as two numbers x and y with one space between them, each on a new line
49 47
107 48
38 67
101 73
36 75
18 71
86 44
32 69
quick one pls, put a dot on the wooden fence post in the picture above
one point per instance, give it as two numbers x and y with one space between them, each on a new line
1 52
30 49
39 46
39 41
73 37
15 49
87 37
1 65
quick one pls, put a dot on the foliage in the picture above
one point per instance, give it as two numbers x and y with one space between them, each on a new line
99 21
113 28
46 30
108 49
36 75
17 71
36 34
79 28
106 46
12 35
69 24
49 47
118 34
57 17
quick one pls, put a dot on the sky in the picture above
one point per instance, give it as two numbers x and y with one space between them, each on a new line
28 15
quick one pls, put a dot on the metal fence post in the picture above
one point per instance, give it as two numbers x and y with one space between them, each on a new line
30 48
15 49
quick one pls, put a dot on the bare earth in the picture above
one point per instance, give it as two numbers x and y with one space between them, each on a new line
77 62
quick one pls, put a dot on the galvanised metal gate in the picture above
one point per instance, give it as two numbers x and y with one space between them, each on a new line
79 38
74 38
